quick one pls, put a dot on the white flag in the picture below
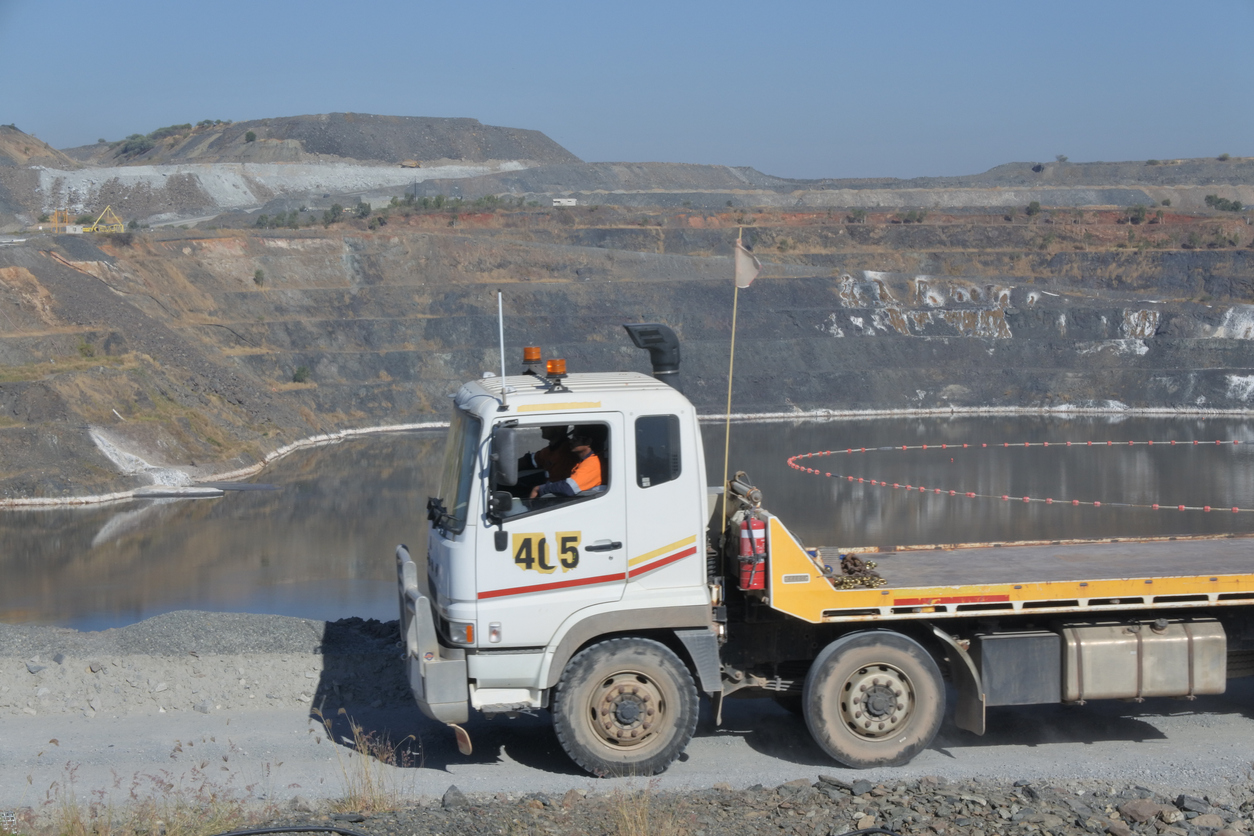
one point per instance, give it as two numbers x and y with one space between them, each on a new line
747 267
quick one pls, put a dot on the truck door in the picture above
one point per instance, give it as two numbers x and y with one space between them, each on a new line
667 551
562 553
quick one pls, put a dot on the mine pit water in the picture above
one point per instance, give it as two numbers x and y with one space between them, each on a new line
322 546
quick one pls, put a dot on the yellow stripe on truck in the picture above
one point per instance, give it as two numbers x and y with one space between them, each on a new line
678 544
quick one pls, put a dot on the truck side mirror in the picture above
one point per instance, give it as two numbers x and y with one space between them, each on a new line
504 456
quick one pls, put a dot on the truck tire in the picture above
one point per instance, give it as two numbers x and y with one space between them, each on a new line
625 707
874 699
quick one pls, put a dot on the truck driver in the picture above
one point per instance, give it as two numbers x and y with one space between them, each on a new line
586 474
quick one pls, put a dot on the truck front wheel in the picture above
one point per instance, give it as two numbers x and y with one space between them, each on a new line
874 699
625 707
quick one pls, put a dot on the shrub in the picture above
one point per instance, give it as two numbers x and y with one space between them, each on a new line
43 218
1223 204
170 130
259 277
1166 201
1034 208
1152 162
857 216
362 209
84 219
250 137
1223 158
1062 158
301 374
332 215
135 144
1137 214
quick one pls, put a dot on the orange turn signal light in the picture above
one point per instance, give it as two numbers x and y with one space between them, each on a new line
555 367
531 354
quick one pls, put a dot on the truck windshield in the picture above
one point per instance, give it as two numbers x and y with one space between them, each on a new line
458 474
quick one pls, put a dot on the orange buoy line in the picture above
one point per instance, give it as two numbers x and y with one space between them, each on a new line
849 451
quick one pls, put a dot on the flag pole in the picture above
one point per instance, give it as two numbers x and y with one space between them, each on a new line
731 367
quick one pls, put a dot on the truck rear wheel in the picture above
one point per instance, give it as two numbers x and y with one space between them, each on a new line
874 699
625 707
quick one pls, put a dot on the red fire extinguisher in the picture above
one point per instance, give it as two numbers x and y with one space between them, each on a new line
752 553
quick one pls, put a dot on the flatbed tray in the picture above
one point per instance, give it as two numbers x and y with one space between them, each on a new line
1088 560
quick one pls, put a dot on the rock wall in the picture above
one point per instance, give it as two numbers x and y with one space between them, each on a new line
209 349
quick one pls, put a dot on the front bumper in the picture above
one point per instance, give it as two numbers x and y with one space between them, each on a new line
437 674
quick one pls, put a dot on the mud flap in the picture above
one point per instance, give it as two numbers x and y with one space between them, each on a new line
969 712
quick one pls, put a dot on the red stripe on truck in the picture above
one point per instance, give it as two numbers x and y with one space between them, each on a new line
658 564
546 587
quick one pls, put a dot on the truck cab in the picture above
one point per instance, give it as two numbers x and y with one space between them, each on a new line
515 587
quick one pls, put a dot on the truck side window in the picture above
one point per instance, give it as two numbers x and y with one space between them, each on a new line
580 473
657 450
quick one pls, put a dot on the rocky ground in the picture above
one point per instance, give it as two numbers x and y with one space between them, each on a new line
828 805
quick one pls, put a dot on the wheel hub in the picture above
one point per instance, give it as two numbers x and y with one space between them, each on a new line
876 701
626 709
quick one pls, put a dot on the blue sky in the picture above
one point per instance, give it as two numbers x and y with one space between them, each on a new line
797 89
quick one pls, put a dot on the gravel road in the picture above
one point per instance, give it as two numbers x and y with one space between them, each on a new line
188 699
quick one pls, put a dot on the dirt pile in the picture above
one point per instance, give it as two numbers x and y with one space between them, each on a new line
18 148
191 661
321 137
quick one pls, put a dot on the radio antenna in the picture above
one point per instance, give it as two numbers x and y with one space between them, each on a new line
500 321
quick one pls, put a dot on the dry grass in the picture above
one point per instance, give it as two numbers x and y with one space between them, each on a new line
157 805
62 365
638 812
374 769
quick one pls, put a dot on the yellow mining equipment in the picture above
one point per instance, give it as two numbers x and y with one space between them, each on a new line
61 220
107 222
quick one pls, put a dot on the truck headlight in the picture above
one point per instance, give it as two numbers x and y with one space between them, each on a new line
461 632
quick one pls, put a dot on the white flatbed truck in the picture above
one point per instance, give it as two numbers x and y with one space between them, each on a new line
614 607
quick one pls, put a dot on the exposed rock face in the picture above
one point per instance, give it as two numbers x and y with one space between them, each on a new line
187 346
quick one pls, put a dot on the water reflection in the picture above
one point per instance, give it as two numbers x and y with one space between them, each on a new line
834 512
322 546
